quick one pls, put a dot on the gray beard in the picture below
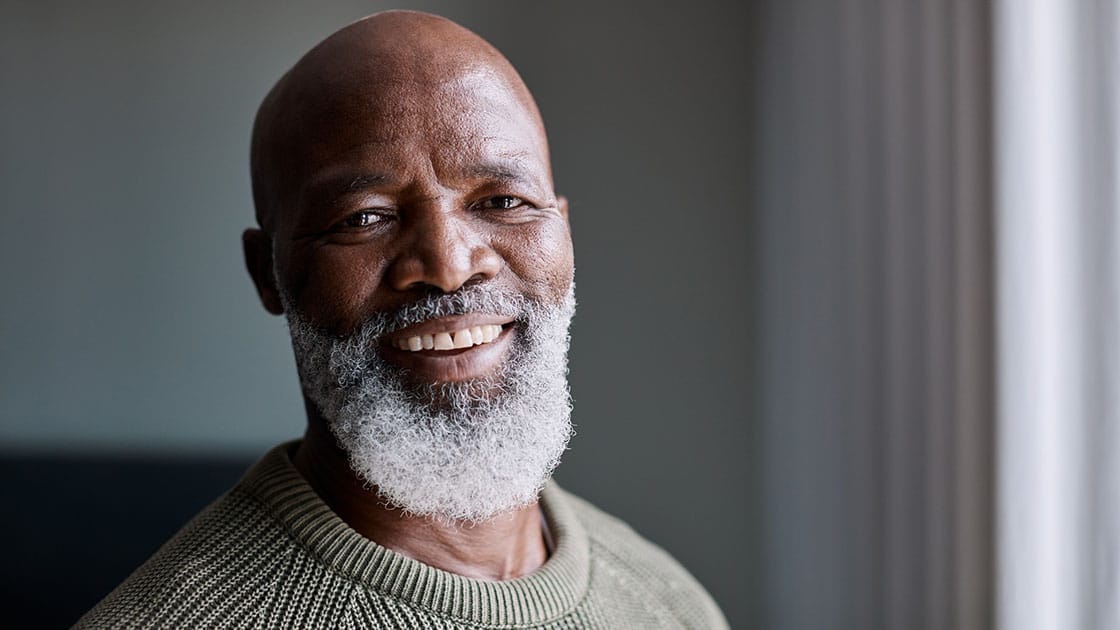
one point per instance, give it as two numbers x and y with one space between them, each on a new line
454 452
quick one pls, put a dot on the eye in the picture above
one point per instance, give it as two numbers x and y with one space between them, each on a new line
362 219
503 202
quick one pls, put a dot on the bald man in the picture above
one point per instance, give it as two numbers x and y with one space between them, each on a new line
410 234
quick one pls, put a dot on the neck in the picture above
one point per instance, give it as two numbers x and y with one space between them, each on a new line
507 546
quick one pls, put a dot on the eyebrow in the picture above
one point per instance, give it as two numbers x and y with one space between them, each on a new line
329 187
508 170
363 181
505 169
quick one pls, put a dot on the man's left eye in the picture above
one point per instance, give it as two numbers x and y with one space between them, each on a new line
503 202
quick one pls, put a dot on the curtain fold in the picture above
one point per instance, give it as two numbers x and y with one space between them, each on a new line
1059 281
876 338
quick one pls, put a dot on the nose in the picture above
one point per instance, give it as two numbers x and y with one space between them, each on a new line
441 249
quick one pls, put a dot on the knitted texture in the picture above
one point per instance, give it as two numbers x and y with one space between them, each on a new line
271 554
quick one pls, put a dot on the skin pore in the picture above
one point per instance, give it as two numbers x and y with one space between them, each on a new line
403 155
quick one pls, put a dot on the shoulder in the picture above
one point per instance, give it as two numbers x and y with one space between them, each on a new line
233 541
621 555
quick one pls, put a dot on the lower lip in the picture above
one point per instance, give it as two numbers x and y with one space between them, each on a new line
447 366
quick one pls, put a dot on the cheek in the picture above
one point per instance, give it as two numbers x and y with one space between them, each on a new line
333 285
540 255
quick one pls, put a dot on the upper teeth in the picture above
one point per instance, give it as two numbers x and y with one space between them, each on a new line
453 340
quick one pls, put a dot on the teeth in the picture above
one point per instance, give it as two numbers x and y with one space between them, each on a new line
464 338
443 342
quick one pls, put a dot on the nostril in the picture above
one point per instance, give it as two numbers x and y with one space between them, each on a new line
420 286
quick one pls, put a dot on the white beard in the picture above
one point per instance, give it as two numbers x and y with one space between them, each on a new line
464 451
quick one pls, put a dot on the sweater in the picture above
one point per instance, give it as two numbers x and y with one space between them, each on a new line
271 554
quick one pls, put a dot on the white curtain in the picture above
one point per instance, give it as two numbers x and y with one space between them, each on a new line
1057 144
937 235
938 289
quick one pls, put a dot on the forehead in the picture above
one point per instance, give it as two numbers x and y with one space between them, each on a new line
452 123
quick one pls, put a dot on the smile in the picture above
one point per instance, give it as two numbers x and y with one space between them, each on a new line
449 339
456 348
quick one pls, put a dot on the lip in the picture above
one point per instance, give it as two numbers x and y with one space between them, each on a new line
442 366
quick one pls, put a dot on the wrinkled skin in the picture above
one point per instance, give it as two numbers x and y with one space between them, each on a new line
404 155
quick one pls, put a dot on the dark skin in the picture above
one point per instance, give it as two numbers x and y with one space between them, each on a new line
404 155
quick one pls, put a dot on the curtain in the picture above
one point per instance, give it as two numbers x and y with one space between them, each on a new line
1059 312
874 278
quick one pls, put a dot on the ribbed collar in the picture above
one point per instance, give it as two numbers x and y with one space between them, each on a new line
546 594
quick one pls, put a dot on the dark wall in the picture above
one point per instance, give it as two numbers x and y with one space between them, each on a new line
80 524
131 327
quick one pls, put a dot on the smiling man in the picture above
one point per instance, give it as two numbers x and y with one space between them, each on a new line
410 234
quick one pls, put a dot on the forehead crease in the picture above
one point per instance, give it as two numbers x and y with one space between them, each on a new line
490 136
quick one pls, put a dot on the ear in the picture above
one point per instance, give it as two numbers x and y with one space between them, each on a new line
258 259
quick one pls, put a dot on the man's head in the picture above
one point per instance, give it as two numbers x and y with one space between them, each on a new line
403 188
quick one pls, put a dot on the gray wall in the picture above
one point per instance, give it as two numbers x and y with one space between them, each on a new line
129 326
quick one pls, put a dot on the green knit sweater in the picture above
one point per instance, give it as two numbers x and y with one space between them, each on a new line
271 554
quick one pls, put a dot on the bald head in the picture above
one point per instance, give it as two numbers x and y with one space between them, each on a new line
401 175
387 66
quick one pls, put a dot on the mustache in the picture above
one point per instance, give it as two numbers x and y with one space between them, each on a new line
434 304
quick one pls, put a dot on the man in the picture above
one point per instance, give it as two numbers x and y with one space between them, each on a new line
410 233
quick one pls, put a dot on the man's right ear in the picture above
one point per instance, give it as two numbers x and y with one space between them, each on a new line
258 258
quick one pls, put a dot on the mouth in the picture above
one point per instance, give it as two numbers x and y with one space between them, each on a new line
449 349
449 340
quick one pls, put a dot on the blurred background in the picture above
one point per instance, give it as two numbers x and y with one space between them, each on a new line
848 277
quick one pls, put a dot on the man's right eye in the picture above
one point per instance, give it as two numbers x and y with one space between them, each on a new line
362 219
